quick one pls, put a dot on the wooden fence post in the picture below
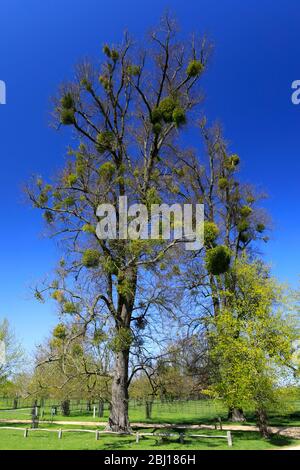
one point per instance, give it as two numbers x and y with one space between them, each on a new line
97 435
26 433
59 434
137 439
229 438
181 438
94 411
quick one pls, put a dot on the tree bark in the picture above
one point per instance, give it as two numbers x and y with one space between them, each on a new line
149 409
100 408
236 415
262 422
65 407
118 420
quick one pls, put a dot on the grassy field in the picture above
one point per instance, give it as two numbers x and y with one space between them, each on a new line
40 440
187 412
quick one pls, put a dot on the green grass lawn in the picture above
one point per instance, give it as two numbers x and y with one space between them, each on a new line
40 440
196 412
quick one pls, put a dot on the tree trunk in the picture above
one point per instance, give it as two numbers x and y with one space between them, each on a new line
100 409
262 422
118 420
65 407
236 415
149 409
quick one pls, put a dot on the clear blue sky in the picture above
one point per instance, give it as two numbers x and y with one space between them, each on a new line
248 87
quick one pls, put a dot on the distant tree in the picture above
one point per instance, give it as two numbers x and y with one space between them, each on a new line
7 389
190 357
11 352
180 373
295 298
80 372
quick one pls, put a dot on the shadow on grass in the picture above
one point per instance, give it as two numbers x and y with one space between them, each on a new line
280 441
14 425
275 439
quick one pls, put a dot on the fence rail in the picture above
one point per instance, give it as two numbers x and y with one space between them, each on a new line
166 435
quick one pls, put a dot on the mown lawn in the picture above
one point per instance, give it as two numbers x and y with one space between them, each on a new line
196 412
41 440
186 412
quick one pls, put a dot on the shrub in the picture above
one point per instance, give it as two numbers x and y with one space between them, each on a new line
105 141
194 68
179 116
49 217
99 336
250 199
67 116
107 170
60 332
106 50
67 101
218 260
114 55
246 211
223 183
104 80
91 258
166 108
157 128
80 165
77 349
260 227
70 307
156 115
43 198
211 232
243 225
133 70
86 84
69 201
122 340
88 228
232 161
71 179
58 295
244 237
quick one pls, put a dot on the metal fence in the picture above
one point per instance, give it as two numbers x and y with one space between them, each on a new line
198 411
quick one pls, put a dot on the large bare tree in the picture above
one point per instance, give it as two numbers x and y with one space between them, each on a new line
127 116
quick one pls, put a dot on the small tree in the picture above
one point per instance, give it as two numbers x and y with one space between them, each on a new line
234 225
70 368
12 352
252 342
